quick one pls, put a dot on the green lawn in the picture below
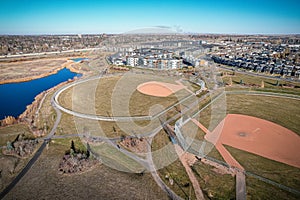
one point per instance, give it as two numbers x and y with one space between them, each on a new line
276 171
213 184
260 190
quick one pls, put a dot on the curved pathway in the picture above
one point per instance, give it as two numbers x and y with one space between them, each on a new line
107 118
148 162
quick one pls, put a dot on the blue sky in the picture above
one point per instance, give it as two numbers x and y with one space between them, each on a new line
197 16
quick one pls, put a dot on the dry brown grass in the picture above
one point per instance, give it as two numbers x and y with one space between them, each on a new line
9 133
21 69
43 181
95 97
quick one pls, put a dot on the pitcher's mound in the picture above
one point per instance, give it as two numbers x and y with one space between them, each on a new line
159 89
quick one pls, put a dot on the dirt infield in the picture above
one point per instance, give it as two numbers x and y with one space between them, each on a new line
159 89
257 136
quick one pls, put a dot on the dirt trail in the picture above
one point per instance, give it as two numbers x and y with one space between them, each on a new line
228 157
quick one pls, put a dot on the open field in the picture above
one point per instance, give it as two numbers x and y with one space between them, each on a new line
33 67
44 181
97 96
114 158
269 84
9 133
28 70
21 69
73 125
10 166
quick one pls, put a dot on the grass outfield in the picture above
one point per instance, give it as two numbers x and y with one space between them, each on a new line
282 111
95 97
73 125
260 190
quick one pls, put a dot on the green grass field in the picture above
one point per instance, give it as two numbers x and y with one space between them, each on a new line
260 190
213 184
276 171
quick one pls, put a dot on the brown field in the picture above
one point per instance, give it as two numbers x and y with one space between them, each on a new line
10 133
28 70
44 181
95 97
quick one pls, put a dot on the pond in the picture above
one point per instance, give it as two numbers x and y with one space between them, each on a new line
16 96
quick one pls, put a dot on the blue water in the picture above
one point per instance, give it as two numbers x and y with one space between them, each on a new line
79 59
16 96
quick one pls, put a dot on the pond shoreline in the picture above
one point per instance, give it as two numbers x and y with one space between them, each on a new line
68 64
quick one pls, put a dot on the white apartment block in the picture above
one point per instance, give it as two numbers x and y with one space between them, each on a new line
132 61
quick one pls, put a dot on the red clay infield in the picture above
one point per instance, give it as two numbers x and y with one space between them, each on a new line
159 89
257 136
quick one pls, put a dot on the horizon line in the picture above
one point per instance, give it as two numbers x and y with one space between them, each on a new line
186 33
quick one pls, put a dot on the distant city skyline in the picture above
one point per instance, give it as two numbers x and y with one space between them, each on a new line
18 17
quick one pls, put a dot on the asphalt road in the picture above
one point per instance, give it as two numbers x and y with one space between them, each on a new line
24 171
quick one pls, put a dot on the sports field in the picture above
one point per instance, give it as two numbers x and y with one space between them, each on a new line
116 95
